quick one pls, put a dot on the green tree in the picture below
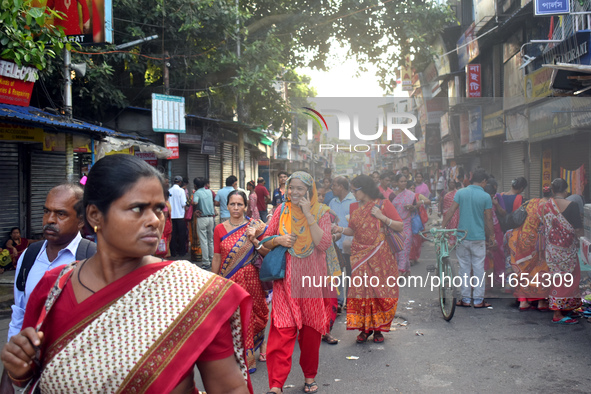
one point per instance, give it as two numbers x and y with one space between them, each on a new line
24 35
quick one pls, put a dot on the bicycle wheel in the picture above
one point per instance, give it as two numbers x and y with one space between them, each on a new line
447 299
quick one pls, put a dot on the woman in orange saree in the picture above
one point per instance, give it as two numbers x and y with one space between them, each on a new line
371 306
123 320
234 255
527 259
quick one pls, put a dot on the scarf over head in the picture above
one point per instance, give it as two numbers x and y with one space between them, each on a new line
293 220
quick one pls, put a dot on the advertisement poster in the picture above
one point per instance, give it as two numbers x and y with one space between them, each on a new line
171 142
547 168
86 22
16 83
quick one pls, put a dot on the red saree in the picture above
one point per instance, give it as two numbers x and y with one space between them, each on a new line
526 256
371 307
142 333
237 254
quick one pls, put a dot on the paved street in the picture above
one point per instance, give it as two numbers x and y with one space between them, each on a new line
484 351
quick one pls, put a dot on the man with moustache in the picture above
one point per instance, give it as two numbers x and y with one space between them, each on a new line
63 218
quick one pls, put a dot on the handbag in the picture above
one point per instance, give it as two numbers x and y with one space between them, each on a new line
422 211
394 239
273 266
189 212
416 223
514 219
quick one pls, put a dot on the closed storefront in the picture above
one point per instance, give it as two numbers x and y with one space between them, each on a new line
197 164
215 169
229 161
48 169
10 212
513 159
534 189
248 172
179 166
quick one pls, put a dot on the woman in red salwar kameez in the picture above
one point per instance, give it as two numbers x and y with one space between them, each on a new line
300 310
371 308
123 320
233 258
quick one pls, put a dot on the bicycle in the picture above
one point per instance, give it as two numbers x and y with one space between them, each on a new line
445 269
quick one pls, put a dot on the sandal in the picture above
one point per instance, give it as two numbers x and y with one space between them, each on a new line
463 304
483 304
263 357
362 337
308 387
565 320
378 337
329 339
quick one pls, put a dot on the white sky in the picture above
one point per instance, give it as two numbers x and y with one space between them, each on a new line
340 81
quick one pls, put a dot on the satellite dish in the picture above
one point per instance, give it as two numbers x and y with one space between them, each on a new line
79 69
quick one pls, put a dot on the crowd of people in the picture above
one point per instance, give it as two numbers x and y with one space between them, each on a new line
80 306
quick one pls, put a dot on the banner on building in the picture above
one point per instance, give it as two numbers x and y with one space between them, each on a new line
148 157
16 83
168 113
551 119
11 132
467 46
86 22
447 150
475 116
537 84
444 125
493 124
473 81
406 74
547 168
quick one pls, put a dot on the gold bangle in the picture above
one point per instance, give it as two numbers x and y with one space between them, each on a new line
19 380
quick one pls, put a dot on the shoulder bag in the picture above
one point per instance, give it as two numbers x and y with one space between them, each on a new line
395 239
273 265
515 219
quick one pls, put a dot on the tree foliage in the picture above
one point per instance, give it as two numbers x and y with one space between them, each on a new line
226 58
24 35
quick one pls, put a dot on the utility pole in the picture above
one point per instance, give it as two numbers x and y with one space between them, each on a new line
68 113
242 174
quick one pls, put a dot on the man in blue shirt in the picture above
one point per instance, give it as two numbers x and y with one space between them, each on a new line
203 201
476 219
221 198
279 193
327 183
340 205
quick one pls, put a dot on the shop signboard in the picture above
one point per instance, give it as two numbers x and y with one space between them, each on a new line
444 125
447 150
473 81
86 22
513 92
435 110
406 74
441 62
420 154
516 126
574 50
537 84
464 128
148 157
581 113
551 7
171 142
547 168
16 83
492 125
475 116
550 119
190 139
467 47
11 132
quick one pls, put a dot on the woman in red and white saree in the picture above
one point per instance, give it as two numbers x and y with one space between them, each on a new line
123 320
234 255
562 226
371 306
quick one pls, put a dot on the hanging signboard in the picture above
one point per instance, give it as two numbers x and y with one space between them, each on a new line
547 168
171 142
551 7
473 81
168 113
86 22
406 72
11 132
444 125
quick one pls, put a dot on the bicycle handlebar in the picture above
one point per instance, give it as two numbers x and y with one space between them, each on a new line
437 233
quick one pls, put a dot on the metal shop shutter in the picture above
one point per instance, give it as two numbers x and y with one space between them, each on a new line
227 161
513 163
534 187
215 169
48 169
248 176
197 164
10 214
179 166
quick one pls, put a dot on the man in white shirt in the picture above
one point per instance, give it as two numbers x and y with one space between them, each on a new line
178 204
63 218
